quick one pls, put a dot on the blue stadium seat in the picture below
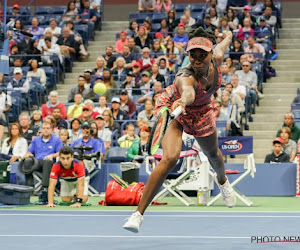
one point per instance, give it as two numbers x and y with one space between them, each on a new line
221 128
83 31
297 122
16 108
181 7
296 114
59 10
197 7
156 18
156 27
117 155
132 16
45 10
197 15
143 16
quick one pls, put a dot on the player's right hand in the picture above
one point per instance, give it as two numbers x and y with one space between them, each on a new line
177 103
50 205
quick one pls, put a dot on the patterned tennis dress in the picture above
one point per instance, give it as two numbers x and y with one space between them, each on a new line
199 119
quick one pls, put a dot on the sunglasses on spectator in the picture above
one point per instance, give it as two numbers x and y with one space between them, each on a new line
85 110
246 65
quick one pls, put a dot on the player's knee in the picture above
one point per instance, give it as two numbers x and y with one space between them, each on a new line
171 160
66 198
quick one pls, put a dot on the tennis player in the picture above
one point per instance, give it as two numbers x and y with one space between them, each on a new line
192 90
74 179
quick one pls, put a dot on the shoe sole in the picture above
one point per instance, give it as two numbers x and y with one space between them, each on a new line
131 229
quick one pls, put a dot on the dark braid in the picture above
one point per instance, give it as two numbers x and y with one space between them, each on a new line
200 32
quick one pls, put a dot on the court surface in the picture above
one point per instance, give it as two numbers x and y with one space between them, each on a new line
82 229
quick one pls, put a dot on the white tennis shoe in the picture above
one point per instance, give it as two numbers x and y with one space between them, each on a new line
134 222
227 193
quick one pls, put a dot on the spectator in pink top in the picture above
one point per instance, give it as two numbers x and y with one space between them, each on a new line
121 42
47 108
246 31
163 5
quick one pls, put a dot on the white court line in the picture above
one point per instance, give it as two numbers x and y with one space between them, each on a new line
126 236
157 215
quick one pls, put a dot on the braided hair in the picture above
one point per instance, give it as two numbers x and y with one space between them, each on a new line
200 32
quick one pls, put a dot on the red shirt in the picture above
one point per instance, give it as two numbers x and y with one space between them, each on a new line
47 110
76 171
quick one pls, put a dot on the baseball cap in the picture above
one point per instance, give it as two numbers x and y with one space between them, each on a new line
278 139
158 35
200 43
85 125
144 128
130 73
116 99
145 73
124 92
136 64
123 32
16 6
207 16
98 77
86 107
18 70
262 18
99 117
142 27
181 25
88 71
247 7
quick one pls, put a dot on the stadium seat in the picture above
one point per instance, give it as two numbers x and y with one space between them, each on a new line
16 108
45 10
156 18
156 27
197 7
181 7
143 16
221 127
59 10
83 31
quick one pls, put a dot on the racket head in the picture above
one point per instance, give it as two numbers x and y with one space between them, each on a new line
118 179
158 130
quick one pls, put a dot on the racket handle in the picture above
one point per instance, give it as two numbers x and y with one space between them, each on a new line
176 112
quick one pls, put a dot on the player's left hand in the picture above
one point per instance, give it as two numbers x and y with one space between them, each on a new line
77 204
227 33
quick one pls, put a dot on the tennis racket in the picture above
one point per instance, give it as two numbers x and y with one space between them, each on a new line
119 180
161 124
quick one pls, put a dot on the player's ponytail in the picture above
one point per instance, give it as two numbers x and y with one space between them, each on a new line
200 32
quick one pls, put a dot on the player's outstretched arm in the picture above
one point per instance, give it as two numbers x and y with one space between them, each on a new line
220 49
51 189
80 188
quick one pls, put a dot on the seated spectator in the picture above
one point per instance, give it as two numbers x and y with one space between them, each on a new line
18 27
146 5
233 21
121 42
157 88
36 120
190 20
163 5
27 132
206 24
117 113
146 83
100 66
129 58
86 15
88 77
255 7
71 12
156 76
289 122
229 63
19 82
215 4
183 22
86 114
91 104
238 89
277 156
171 19
146 61
110 123
15 15
270 19
221 115
129 136
226 76
289 146
142 122
164 29
148 25
127 104
5 105
47 108
129 83
138 150
33 50
215 20
245 31
36 71
25 43
109 83
224 24
14 147
132 29
181 39
254 47
103 133
143 39
50 119
75 110
164 68
148 113
156 49
79 89
246 14
94 130
63 136
50 50
109 57
119 73
102 105
55 30
60 122
172 54
75 131
263 34
135 50
45 149
237 50
35 30
68 45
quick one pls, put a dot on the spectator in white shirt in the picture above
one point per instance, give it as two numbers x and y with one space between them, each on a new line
103 133
19 82
237 88
52 49
56 31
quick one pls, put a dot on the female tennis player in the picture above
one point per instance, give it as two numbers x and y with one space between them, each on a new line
192 90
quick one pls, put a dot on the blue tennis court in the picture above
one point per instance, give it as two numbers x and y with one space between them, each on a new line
160 230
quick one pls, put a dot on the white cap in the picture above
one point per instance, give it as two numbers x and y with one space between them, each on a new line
18 70
116 99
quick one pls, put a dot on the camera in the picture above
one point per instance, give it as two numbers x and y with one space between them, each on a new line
79 153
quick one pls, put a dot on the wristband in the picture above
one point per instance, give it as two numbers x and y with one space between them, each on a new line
78 200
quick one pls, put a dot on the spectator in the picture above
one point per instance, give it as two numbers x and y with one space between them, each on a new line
147 113
164 29
5 105
87 15
71 12
229 63
27 132
64 136
18 27
104 133
35 30
146 5
52 121
226 76
142 122
129 136
73 178
54 29
33 50
127 105
246 30
164 68
60 122
91 104
224 24
289 146
36 71
190 21
156 49
75 110
75 131
50 50
109 57
134 49
183 20
263 34
181 39
156 76
36 120
148 25
121 42
214 4
94 133
237 88
14 147
206 24
117 113
157 88
221 115
289 122
136 70
233 21
102 104
277 156
86 114
79 4
45 149
129 58
246 14
19 82
79 89
146 83
270 19
25 43
47 108
132 29
255 8
254 48
15 15
143 39
163 5
171 20
100 66
68 46
129 83
215 20
146 61
138 150
88 78
120 72
172 54
109 83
